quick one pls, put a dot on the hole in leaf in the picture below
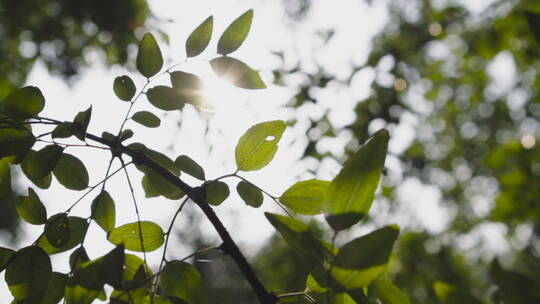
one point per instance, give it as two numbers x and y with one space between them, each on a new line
270 138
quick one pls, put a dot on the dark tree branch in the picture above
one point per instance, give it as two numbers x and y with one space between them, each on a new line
198 196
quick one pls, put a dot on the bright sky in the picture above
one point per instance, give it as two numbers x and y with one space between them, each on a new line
236 110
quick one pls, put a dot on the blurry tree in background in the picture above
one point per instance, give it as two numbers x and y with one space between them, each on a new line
61 34
466 84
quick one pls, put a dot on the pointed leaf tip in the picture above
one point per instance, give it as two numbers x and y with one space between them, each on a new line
235 34
200 37
237 73
149 57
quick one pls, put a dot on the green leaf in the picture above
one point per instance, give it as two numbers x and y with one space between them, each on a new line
306 197
389 293
5 178
235 34
189 166
5 256
104 211
14 141
125 135
298 236
71 172
146 119
81 121
149 58
257 147
26 274
160 158
42 183
237 73
31 209
111 267
184 281
124 88
130 235
369 250
57 230
155 185
77 230
76 294
23 103
166 98
352 191
216 192
250 194
77 258
190 86
65 130
198 40
55 289
38 165
132 266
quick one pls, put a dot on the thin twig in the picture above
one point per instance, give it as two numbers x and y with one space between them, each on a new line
168 235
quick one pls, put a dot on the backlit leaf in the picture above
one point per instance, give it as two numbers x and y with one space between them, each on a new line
132 266
71 172
166 98
189 166
216 192
352 191
237 73
64 130
104 211
31 209
298 236
235 34
257 147
77 230
81 121
198 40
125 135
28 168
389 293
5 255
77 294
57 230
306 197
111 267
55 288
182 280
250 194
5 178
124 88
23 103
15 141
149 58
155 185
38 165
77 258
130 235
370 250
26 274
190 86
146 119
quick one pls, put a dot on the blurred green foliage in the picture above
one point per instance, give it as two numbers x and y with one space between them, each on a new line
61 34
466 83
